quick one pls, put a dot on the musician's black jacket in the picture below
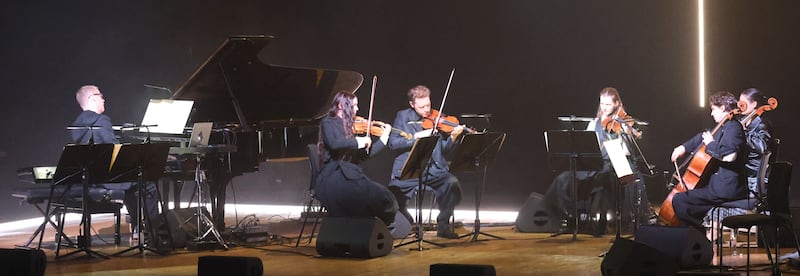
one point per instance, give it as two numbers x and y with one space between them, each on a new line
342 186
103 134
408 121
727 180
759 140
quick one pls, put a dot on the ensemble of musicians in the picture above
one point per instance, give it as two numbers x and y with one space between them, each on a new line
344 189
345 140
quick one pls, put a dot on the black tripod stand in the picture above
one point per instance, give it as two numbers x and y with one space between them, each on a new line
573 150
474 152
199 242
141 163
83 164
416 166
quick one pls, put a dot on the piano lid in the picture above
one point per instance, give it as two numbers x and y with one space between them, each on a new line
233 85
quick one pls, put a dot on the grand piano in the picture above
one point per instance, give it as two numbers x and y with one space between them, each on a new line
264 111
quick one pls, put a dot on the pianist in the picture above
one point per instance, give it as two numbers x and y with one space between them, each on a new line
342 187
99 131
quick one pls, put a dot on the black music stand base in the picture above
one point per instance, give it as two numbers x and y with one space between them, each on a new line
417 164
140 159
418 237
477 151
140 245
84 241
580 151
476 231
89 253
83 247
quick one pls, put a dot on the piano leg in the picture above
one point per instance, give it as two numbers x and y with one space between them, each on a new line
218 177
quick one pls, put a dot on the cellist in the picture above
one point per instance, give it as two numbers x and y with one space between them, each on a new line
758 136
726 182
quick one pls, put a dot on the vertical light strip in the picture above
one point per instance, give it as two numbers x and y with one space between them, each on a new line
701 65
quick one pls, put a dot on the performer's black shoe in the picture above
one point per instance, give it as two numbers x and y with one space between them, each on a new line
444 231
447 234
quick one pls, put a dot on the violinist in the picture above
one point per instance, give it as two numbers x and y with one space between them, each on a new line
342 186
611 122
445 185
728 148
757 130
758 137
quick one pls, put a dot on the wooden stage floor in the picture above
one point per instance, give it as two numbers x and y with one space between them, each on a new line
517 254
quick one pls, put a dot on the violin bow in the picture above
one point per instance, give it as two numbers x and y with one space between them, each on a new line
371 104
444 99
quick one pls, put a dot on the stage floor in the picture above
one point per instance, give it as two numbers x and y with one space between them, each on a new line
516 254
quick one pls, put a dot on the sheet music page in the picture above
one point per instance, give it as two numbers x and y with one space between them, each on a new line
114 156
619 161
170 116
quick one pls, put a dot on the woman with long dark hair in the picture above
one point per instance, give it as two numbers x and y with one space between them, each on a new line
342 186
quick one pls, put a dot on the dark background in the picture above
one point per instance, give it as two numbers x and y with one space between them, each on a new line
525 62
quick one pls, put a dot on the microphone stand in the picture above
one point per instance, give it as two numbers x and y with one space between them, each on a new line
637 154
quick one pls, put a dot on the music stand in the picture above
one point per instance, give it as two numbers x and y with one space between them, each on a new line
139 163
416 166
475 152
83 164
573 150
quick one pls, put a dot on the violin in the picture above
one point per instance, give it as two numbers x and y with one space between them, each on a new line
446 123
376 129
615 123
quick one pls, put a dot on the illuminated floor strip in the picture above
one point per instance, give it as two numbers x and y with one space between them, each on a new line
271 213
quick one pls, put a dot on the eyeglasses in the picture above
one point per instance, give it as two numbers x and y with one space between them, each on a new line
96 94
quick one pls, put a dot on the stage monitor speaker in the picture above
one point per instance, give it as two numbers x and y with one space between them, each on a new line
360 237
462 270
535 218
229 265
688 246
628 257
182 224
23 261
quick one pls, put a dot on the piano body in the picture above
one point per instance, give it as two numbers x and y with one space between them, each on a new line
264 111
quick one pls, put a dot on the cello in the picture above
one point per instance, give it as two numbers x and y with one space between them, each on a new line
697 166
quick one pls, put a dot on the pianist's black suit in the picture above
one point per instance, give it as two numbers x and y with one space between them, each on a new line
445 185
105 135
342 187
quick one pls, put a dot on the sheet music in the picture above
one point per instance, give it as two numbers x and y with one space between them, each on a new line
617 153
169 116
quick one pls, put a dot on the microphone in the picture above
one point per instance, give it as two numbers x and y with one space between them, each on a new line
573 118
83 127
128 126
629 120
476 115
159 88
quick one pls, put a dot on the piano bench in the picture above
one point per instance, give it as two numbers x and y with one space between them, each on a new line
39 194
